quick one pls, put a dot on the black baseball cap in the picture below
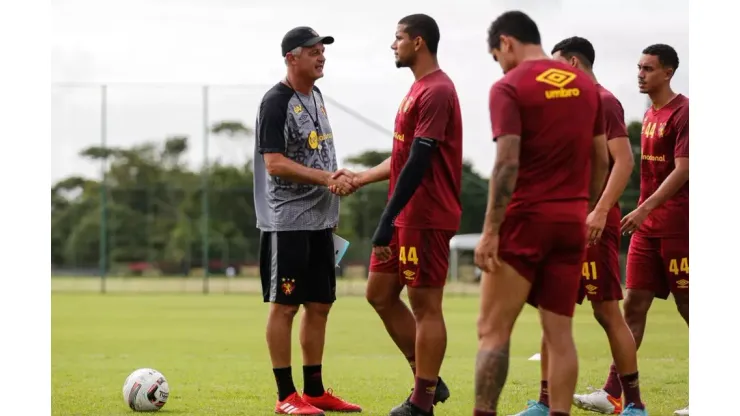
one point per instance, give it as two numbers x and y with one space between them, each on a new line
303 36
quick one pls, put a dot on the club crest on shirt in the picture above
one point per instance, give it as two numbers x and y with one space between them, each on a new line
313 139
405 104
287 285
298 109
649 129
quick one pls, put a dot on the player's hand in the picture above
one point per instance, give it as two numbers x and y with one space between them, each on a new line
486 253
382 239
633 221
596 221
382 253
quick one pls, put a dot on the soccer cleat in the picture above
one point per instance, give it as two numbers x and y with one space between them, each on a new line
630 410
598 401
295 405
331 403
441 394
682 412
534 409
408 409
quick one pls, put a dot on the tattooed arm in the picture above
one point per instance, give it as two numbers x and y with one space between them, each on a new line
503 182
506 125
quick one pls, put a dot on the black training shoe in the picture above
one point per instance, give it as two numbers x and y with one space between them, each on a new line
441 394
408 409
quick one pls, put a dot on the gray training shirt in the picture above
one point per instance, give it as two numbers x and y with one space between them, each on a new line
300 130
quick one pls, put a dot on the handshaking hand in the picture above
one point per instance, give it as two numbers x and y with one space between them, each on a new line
344 182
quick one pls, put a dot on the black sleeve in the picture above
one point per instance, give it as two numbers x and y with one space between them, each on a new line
410 178
271 123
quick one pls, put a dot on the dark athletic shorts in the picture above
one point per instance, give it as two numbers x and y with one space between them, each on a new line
297 267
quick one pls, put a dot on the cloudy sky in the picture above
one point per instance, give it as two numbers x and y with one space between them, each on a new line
157 53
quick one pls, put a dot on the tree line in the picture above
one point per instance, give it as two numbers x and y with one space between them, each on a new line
149 210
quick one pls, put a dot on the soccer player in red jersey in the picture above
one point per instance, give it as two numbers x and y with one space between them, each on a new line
601 281
412 241
658 256
551 164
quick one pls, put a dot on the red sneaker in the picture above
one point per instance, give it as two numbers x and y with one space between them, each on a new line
295 405
329 402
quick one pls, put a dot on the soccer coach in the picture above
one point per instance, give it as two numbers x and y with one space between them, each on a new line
294 161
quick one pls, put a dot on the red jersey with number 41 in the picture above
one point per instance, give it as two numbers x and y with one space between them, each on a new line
431 109
665 137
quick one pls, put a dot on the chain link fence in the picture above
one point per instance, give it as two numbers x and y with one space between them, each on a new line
152 191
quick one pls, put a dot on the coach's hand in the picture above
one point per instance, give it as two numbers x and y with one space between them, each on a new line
596 221
486 253
633 221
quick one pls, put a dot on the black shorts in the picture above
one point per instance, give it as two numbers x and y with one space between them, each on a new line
297 267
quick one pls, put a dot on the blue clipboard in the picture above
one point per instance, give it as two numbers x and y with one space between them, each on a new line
340 247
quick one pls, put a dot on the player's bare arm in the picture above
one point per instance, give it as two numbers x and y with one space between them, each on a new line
680 175
410 178
381 172
670 186
503 182
624 161
599 167
279 165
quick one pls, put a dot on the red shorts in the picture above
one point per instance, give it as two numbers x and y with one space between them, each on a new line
550 256
601 278
660 265
420 257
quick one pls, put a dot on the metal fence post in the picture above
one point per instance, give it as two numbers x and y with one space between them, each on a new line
204 195
103 190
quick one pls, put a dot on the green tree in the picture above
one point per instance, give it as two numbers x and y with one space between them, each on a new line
631 193
153 207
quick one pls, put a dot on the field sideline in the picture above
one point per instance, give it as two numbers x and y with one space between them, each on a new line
212 350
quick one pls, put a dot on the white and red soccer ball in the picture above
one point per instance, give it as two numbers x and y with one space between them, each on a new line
145 390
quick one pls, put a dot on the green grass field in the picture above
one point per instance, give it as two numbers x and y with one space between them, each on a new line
212 351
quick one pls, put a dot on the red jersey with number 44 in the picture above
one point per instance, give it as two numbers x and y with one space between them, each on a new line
431 109
665 137
556 111
614 127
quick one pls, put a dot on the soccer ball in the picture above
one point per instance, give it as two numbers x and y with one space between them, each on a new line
145 390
